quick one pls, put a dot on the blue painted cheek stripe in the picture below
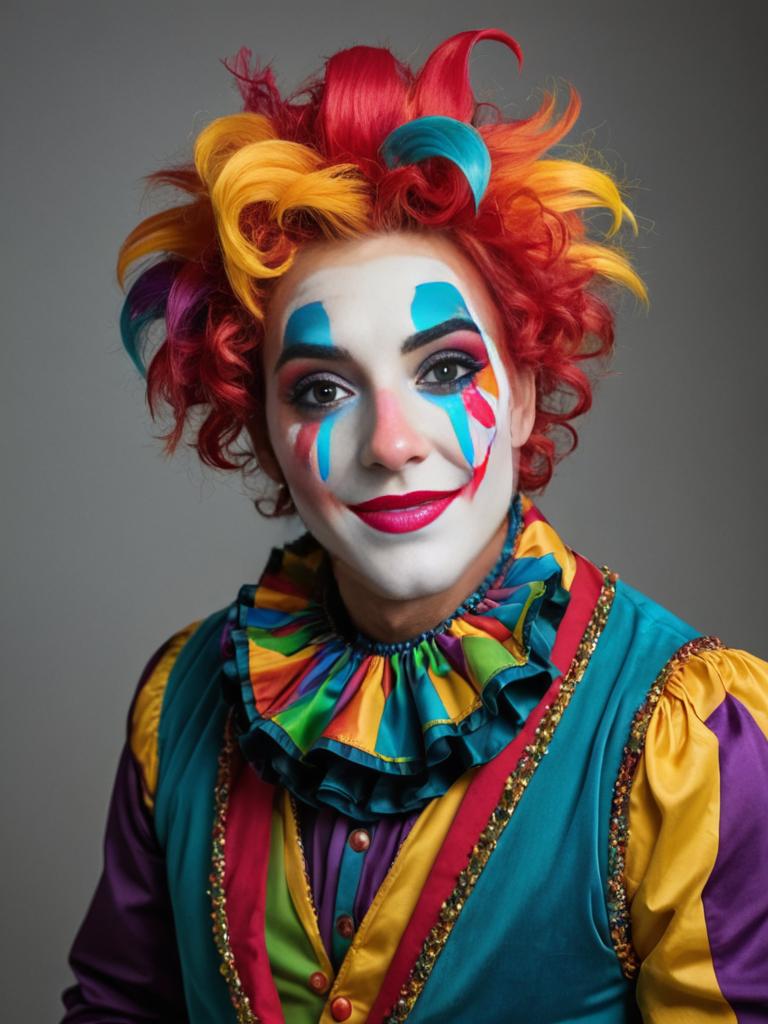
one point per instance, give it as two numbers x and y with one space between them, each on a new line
324 447
323 442
308 325
435 302
457 413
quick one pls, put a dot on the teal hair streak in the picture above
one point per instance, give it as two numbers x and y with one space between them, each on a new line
453 140
131 329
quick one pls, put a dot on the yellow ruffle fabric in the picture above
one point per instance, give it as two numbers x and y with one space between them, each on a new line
674 829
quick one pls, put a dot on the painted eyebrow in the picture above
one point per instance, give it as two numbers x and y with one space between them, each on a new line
421 338
307 350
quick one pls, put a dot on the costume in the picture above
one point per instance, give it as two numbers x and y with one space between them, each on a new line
548 808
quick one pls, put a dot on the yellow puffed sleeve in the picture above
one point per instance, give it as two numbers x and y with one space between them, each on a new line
147 705
696 868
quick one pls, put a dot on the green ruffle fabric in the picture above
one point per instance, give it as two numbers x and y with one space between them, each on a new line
373 729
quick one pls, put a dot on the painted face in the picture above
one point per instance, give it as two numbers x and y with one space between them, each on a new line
389 410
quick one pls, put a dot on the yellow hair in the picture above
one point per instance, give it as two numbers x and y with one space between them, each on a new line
242 163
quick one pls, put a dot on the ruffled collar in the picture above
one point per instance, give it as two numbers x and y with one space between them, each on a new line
373 729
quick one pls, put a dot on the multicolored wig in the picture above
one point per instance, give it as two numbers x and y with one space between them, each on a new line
371 146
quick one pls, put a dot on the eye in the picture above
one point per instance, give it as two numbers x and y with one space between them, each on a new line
318 392
447 371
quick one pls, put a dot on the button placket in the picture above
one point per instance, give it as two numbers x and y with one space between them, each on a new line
350 870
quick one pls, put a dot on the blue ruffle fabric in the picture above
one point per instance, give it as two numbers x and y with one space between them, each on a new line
373 729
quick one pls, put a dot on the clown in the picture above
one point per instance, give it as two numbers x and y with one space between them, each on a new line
434 765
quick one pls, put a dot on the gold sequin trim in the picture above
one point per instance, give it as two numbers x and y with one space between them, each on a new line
302 854
514 788
217 893
618 904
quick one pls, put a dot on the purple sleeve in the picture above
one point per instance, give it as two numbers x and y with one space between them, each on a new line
735 896
125 956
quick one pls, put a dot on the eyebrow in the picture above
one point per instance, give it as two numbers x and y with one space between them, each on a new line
421 338
307 350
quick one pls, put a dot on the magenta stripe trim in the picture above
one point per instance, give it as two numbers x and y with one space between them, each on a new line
736 894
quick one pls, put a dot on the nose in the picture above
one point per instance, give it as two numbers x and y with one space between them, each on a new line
393 440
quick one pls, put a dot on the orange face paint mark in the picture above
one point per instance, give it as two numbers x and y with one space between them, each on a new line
486 379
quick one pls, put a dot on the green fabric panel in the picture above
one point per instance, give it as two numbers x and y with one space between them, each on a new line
190 735
533 941
291 956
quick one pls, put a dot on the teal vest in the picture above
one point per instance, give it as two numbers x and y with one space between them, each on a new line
531 944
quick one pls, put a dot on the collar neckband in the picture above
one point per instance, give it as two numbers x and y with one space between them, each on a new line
372 729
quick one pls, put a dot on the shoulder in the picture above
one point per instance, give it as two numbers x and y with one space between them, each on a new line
706 741
650 620
709 696
719 681
708 706
171 662
697 844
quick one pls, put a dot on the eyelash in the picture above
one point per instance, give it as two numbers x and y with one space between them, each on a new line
452 358
302 387
298 392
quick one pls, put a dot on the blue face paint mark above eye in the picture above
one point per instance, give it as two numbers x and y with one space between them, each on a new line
308 325
435 302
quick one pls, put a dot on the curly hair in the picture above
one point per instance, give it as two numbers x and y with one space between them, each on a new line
285 172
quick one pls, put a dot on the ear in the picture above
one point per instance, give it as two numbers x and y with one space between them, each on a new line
522 405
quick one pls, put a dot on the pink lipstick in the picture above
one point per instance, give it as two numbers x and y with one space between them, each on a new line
402 513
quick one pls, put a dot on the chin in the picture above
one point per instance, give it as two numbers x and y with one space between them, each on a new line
408 581
420 564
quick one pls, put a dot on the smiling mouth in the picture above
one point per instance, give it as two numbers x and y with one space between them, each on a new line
403 513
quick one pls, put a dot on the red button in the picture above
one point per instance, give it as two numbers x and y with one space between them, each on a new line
341 1008
318 982
345 926
360 840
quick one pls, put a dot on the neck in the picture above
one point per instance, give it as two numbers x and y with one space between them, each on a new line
391 620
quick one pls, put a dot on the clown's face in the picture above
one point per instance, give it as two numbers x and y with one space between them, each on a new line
390 413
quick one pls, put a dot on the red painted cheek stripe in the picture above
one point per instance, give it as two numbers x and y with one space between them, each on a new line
484 794
478 407
305 440
478 473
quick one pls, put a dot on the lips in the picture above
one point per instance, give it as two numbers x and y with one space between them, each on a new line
403 513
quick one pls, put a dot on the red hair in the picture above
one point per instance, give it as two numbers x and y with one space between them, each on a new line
288 171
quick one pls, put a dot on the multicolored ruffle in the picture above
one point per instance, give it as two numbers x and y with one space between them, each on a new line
372 729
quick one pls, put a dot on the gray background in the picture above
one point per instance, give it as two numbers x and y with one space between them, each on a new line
111 547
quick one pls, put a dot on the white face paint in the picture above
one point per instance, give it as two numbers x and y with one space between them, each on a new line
389 409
